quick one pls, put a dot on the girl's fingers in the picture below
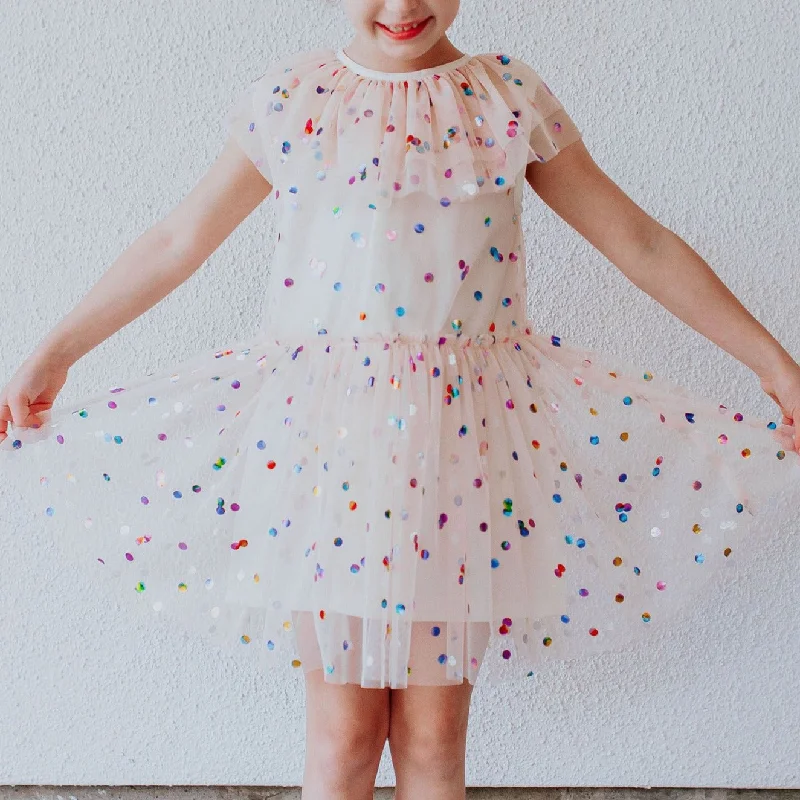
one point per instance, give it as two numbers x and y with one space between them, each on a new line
19 411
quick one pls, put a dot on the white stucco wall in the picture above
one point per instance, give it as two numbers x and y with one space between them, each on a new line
110 112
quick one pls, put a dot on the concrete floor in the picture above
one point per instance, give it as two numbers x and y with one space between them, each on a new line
278 793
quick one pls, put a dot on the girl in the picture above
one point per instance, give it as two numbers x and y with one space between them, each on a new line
398 479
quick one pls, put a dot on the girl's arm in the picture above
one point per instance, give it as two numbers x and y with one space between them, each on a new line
655 259
161 258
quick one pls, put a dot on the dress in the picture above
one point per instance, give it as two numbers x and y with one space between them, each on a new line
397 478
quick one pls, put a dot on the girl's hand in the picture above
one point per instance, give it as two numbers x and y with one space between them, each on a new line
783 387
29 395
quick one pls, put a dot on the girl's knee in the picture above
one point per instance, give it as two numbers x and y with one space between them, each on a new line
436 749
347 725
428 731
346 751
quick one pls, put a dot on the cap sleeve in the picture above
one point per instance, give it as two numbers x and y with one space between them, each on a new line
246 122
538 112
552 128
258 120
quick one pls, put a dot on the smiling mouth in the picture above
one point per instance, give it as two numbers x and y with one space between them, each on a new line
406 28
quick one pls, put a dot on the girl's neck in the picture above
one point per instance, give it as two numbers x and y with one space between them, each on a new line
368 55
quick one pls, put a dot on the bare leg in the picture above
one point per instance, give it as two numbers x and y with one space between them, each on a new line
427 740
346 729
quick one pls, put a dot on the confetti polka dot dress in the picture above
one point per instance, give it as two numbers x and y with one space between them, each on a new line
398 480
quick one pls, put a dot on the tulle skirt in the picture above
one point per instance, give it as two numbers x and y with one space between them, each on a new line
400 510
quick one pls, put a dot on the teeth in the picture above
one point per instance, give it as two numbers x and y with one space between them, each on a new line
403 28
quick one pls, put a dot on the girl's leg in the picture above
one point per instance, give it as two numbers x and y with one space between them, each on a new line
346 729
427 740
428 722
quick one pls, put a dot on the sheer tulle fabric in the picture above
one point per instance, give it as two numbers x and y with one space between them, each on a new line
397 479
447 134
269 489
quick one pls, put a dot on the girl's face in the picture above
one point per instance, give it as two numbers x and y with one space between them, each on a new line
401 31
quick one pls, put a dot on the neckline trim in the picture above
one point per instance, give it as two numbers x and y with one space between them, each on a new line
366 72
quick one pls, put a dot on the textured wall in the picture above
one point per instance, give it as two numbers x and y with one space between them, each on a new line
110 112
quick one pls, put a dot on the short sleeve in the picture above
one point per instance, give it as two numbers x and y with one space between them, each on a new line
247 124
552 128
279 101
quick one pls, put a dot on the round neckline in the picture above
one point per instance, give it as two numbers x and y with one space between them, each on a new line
377 74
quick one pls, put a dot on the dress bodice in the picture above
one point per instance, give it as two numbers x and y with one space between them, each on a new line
398 195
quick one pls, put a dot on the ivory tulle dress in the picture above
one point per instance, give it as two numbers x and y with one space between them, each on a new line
398 478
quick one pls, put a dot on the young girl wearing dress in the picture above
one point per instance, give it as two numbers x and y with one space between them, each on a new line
398 478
